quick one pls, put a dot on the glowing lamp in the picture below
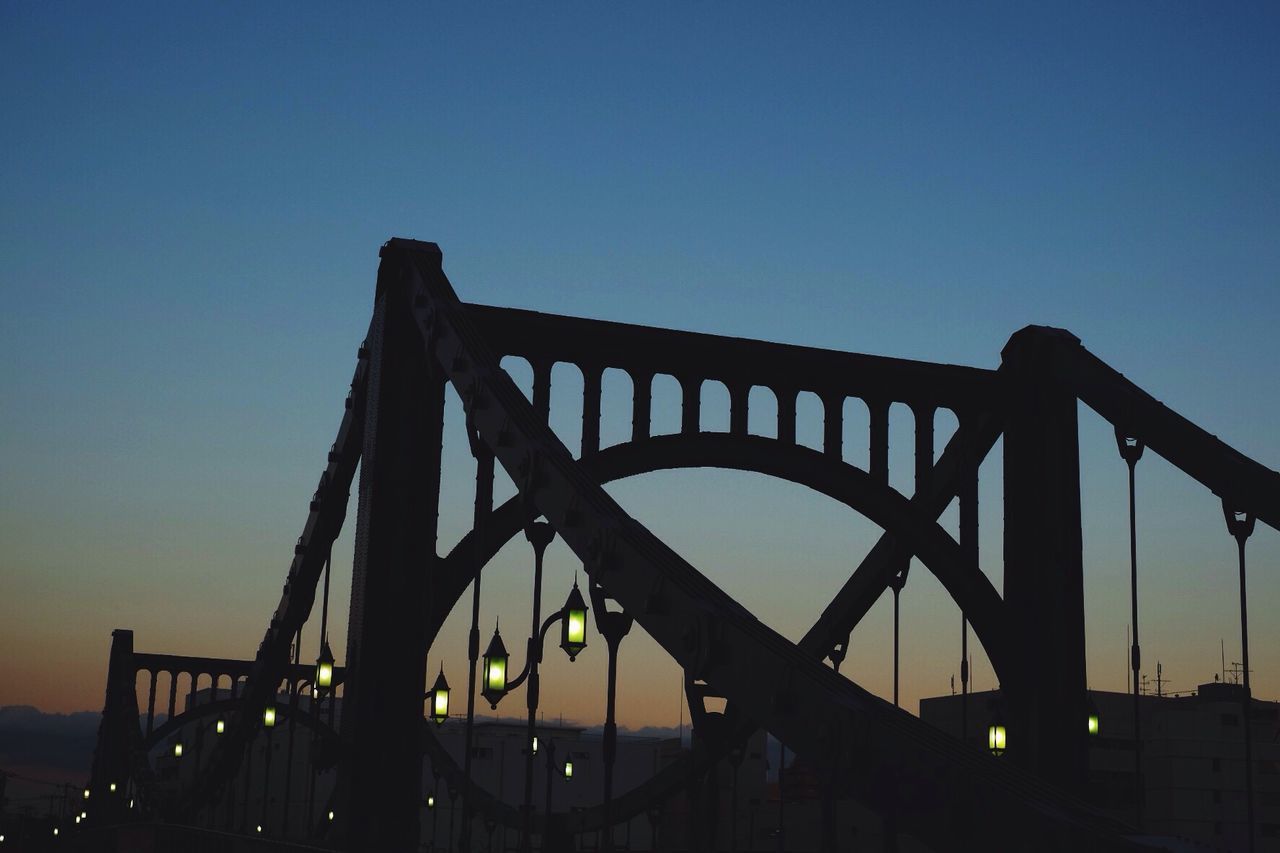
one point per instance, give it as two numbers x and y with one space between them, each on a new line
1094 721
324 667
220 726
431 801
495 671
568 770
269 716
573 628
535 745
996 738
439 697
177 750
86 793
113 787
331 815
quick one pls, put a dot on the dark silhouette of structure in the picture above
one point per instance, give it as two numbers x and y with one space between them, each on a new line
944 792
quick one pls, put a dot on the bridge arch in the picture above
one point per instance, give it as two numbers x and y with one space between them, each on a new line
804 466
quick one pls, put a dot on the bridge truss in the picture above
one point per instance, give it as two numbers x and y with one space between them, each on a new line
422 338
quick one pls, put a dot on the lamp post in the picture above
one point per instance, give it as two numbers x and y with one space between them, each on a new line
573 639
613 625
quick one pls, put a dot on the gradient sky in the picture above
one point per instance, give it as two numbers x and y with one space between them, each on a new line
192 200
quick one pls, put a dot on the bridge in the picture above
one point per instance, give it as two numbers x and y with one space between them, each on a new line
354 779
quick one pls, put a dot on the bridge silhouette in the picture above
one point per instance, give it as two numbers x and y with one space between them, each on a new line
922 782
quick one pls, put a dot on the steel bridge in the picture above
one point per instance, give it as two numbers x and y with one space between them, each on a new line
925 784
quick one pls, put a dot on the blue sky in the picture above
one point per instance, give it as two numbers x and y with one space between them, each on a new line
191 202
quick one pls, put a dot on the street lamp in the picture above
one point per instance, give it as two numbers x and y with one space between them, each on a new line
269 716
220 727
324 667
568 769
573 630
439 697
996 736
495 670
177 749
1094 721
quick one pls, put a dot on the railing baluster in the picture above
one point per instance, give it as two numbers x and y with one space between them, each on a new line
542 389
879 440
924 446
151 704
641 405
832 424
786 415
590 410
691 406
739 393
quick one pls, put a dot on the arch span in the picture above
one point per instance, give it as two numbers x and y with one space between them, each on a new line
842 482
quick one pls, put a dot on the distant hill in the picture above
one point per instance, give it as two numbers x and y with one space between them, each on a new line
31 738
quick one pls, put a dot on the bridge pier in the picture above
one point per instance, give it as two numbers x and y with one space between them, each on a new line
1043 564
379 792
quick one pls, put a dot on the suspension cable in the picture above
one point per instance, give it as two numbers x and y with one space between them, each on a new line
1131 451
1240 526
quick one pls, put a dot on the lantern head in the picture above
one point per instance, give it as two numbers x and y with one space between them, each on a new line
568 769
324 667
495 671
996 738
269 716
439 698
573 627
177 749
1095 722
220 727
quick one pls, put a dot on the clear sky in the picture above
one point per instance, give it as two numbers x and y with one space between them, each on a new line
192 200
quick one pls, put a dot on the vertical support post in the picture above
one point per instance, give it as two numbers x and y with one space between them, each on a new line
878 440
738 394
832 424
1043 575
590 410
691 404
641 404
786 414
542 389
924 446
380 783
151 703
969 548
